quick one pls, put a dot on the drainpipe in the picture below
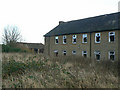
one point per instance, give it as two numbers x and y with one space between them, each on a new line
49 47
90 46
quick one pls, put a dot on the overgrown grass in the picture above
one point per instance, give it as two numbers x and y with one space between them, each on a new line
36 71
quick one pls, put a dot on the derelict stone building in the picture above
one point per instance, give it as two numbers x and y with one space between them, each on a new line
95 37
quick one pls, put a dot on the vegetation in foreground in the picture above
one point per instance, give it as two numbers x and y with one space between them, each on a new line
35 71
14 48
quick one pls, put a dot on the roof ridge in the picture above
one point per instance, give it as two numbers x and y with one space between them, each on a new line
92 17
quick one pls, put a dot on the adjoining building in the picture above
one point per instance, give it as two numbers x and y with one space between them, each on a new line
95 37
33 47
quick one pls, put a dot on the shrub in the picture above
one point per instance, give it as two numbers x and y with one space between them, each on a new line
9 48
12 66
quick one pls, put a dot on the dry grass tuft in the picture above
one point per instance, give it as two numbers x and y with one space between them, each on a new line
35 71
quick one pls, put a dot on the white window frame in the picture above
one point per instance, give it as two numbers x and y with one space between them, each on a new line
84 52
64 52
64 37
74 37
55 51
57 39
97 52
111 54
111 35
84 36
73 52
96 36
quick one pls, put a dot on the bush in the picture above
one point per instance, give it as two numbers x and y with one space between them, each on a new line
8 48
13 66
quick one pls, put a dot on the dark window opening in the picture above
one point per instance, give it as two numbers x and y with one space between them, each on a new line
97 56
64 40
85 39
56 40
74 40
35 50
85 55
41 50
56 54
74 52
112 38
112 57
98 39
64 53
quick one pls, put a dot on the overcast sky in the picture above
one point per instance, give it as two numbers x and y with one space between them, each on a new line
34 18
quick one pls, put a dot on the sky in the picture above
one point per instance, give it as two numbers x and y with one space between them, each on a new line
34 18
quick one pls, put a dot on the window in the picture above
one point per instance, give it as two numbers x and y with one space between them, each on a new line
84 54
64 53
56 52
74 39
111 36
73 52
84 38
97 37
56 40
112 55
97 55
64 39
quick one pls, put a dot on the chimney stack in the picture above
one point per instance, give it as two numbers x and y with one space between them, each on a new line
61 22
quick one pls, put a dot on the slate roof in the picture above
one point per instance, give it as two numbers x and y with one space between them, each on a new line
32 45
87 25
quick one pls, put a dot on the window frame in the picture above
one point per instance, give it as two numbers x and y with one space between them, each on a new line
64 37
56 51
74 37
111 35
56 38
109 55
83 52
95 37
64 51
84 36
97 53
73 52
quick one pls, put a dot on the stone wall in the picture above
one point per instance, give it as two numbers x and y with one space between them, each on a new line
104 46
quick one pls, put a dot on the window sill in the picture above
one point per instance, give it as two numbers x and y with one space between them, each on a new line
84 42
97 42
111 41
74 43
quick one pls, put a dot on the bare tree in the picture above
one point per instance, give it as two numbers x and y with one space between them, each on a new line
11 35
